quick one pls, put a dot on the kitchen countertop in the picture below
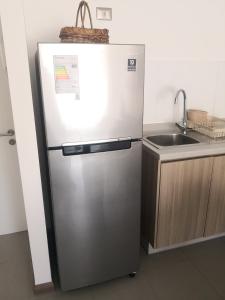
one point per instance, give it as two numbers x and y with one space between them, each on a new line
206 147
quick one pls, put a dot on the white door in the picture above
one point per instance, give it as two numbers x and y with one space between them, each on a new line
12 212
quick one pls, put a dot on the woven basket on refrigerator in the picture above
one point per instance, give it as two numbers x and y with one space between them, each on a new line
81 34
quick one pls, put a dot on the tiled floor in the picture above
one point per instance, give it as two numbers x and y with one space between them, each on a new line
192 273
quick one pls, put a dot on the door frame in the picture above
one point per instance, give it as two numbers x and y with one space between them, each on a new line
13 28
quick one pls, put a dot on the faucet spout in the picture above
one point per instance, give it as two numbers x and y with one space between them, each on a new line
183 123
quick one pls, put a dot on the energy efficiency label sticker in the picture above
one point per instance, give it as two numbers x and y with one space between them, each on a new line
67 75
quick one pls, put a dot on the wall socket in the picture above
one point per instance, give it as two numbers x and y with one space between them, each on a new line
104 13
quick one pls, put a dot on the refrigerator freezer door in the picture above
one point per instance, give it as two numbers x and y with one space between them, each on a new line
91 92
96 208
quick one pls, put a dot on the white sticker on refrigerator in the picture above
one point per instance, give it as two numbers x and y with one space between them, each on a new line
67 75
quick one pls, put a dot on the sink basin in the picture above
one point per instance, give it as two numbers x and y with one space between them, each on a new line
176 139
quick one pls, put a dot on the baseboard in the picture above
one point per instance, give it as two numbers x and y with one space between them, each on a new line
150 250
44 287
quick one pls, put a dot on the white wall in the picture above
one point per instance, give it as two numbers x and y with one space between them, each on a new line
185 45
22 107
203 81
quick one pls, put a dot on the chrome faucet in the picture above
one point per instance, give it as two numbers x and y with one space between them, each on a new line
183 123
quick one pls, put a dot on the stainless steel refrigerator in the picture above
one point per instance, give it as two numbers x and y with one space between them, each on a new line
92 99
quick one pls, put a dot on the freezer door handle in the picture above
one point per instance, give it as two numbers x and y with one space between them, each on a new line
87 148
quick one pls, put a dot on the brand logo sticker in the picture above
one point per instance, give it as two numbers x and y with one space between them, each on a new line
132 64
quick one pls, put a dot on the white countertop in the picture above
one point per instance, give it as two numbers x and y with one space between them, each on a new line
206 147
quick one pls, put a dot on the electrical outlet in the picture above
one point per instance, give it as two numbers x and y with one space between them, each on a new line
104 13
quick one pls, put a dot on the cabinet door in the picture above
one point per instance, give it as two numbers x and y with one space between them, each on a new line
216 210
184 194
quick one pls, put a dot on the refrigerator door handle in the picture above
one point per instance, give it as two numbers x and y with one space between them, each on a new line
95 147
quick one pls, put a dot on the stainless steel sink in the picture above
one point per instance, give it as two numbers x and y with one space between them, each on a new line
166 140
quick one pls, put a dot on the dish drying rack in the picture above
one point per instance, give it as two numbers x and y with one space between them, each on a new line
213 127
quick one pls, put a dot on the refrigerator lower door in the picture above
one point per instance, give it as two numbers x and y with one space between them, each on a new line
96 208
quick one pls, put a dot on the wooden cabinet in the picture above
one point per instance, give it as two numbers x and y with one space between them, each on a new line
175 199
150 190
183 200
215 223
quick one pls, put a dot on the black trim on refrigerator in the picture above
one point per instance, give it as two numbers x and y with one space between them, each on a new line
95 148
86 148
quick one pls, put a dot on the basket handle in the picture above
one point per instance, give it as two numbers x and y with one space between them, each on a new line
81 11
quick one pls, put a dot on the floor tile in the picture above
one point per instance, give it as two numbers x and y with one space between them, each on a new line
83 294
166 258
15 282
178 279
125 289
14 246
196 272
4 282
209 258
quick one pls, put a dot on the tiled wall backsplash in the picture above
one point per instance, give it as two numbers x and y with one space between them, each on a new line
203 81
